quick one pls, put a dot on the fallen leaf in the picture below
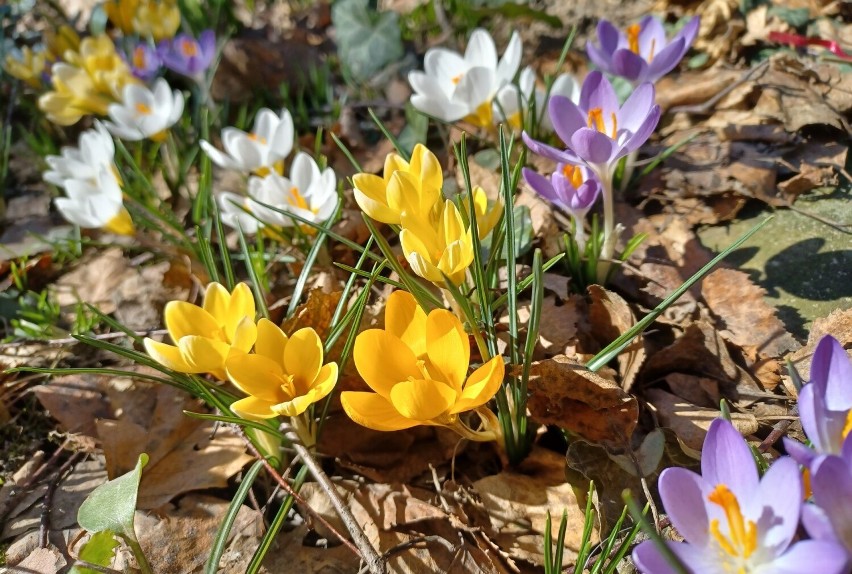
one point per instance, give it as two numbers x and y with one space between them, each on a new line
610 317
316 312
42 560
566 394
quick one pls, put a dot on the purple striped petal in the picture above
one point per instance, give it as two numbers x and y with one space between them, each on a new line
831 371
637 108
597 92
652 34
641 135
601 59
609 36
566 117
832 486
799 452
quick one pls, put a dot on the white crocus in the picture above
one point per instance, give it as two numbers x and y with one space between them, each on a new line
512 101
262 151
454 87
234 210
95 203
144 113
308 192
95 150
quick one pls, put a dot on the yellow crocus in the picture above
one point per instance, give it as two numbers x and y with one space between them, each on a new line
86 83
284 376
437 246
404 186
121 13
159 19
417 365
206 336
60 41
28 68
486 218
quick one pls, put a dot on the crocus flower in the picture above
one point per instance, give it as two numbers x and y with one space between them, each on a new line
87 82
188 56
157 19
383 199
121 14
95 150
417 365
95 203
144 61
206 336
596 130
487 216
27 65
438 245
284 376
235 212
261 151
830 517
59 41
455 87
145 113
308 192
641 53
513 101
734 521
573 188
825 403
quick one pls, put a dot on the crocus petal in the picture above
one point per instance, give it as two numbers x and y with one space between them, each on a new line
253 408
204 355
666 60
184 319
216 300
255 375
326 380
696 558
799 452
550 152
817 523
811 410
167 355
480 50
597 92
601 59
831 372
303 356
684 496
541 185
629 65
480 386
510 61
608 36
593 146
406 320
636 108
642 133
726 459
832 486
383 360
271 340
374 411
447 347
422 399
241 305
566 117
812 556
776 529
245 335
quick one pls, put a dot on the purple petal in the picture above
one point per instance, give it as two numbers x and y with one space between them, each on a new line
726 459
601 59
812 556
831 371
697 559
689 31
642 133
799 452
550 152
609 36
777 516
628 65
597 92
207 42
652 36
666 60
637 108
832 486
649 560
566 117
540 184
817 524
593 146
586 195
684 495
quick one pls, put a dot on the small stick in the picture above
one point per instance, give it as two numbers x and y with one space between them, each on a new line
420 541
779 430
44 523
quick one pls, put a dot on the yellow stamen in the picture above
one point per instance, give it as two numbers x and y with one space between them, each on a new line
633 37
614 125
653 48
596 119
143 109
847 428
256 138
457 79
139 57
806 483
296 199
742 538
573 174
189 48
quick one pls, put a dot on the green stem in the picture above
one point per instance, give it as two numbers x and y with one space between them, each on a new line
609 236
136 548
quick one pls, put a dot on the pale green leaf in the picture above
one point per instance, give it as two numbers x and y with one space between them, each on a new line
111 505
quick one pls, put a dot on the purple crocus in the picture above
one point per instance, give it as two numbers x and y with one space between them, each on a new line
830 518
734 521
825 404
573 188
596 130
641 53
186 55
144 61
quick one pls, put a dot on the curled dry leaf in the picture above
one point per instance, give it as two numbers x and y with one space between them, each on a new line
609 318
566 394
315 312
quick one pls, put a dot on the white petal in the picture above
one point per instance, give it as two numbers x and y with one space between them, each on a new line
480 50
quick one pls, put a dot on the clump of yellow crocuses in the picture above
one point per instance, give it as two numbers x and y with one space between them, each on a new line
206 336
31 65
157 19
417 367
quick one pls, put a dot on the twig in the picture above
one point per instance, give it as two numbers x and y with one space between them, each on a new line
286 486
375 563
44 523
779 430
414 543
705 107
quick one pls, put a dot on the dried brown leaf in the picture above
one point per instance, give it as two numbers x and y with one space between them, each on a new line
609 318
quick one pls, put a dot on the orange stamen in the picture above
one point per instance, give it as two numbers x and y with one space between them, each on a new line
256 138
139 57
188 48
457 79
633 37
847 428
296 199
742 537
653 49
143 109
596 119
573 174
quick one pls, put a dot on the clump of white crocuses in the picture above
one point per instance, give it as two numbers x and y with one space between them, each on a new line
260 151
87 174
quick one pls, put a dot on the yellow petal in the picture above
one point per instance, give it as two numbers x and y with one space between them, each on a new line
253 408
241 305
121 224
216 300
373 411
325 381
167 355
393 164
383 360
303 358
245 335
322 387
455 260
426 166
448 347
422 267
204 355
256 375
271 341
405 319
183 319
422 399
370 195
481 386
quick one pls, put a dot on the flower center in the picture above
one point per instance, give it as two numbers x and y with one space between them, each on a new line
573 174
296 199
633 37
189 48
256 138
596 121
139 60
457 79
143 109
741 541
